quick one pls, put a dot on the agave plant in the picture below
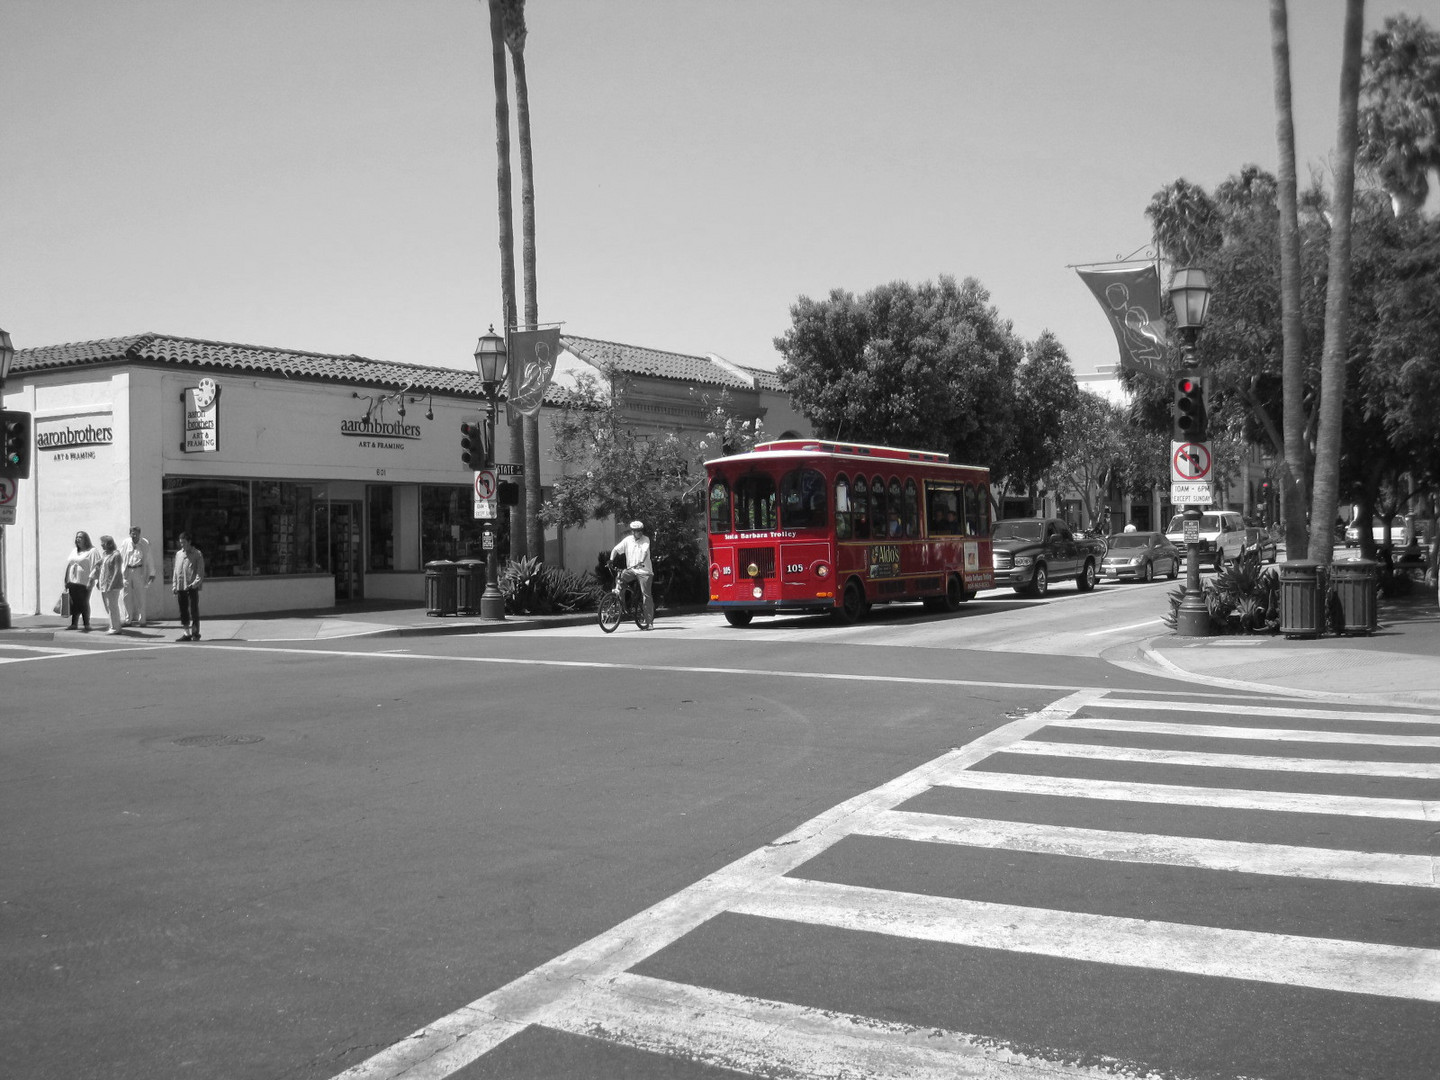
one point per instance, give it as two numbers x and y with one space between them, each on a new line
1248 590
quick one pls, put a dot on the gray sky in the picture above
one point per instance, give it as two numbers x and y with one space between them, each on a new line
320 174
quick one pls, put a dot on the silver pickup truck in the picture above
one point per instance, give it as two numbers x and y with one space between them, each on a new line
1029 553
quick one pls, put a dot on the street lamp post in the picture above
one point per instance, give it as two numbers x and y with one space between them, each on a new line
7 356
1190 299
490 356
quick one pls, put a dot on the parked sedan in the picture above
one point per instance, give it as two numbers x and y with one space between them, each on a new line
1142 556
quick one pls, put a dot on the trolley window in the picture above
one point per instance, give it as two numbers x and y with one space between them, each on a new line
755 502
911 516
802 499
861 510
842 508
719 506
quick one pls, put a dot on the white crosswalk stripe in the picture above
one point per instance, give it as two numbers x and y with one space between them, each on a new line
592 991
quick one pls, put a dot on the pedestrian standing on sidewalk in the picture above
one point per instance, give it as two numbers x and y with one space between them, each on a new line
139 574
109 577
185 582
79 569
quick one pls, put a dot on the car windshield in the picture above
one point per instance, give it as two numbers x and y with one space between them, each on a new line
1129 540
1207 522
1018 530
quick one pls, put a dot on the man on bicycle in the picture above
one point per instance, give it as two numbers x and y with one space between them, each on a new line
638 567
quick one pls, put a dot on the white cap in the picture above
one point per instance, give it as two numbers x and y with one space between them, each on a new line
637 525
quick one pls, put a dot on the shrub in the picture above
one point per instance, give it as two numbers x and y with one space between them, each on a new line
532 588
1244 597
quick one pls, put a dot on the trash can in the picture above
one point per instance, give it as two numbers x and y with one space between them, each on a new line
440 587
1355 593
1300 598
469 584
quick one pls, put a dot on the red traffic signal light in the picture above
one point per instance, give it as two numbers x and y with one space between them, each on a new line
1188 410
474 443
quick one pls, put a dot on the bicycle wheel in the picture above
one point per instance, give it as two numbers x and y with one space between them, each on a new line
610 612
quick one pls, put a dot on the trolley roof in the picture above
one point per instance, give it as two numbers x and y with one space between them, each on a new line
831 448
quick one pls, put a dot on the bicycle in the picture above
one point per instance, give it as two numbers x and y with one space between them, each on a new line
629 604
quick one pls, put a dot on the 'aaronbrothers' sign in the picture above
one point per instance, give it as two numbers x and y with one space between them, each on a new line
73 443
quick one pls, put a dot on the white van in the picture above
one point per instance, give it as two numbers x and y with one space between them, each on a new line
1222 535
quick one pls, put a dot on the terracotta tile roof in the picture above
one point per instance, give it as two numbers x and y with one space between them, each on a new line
656 363
765 379
227 356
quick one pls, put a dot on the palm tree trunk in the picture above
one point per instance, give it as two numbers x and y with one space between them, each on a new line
1337 296
515 35
1295 464
507 229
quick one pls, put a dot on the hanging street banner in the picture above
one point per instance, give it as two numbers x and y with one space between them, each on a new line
533 354
1130 296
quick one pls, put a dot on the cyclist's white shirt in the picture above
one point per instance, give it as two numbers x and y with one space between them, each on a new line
637 554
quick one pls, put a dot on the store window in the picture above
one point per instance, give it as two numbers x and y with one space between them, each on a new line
448 527
382 527
245 528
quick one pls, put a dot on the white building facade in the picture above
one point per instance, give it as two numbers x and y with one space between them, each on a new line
306 480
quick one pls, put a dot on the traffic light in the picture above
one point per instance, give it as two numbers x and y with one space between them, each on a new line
508 492
15 463
1189 408
474 443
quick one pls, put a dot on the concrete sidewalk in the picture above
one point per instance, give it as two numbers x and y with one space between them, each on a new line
1397 665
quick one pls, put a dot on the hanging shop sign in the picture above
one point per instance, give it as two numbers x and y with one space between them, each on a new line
202 418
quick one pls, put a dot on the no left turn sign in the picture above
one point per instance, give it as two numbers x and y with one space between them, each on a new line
485 484
1189 462
8 490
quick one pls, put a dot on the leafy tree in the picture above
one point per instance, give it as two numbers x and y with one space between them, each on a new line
614 470
1093 447
928 366
1045 390
1400 117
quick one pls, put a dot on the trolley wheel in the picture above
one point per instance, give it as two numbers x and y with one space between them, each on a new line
852 604
739 618
610 612
954 593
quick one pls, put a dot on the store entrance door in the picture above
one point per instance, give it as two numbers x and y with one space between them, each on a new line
345 551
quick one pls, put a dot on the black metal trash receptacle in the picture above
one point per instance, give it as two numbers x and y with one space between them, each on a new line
1301 604
1355 593
440 587
469 584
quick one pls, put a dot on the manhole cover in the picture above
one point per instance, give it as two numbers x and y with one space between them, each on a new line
218 740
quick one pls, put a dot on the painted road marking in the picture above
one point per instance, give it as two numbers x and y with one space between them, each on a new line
776 1038
1180 795
1211 731
590 990
1199 852
1296 713
1429 770
454 1041
1352 967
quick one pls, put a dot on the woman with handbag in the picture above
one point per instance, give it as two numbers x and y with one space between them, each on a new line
79 571
109 578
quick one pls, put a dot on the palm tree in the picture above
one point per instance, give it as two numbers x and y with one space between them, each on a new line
1337 295
1294 465
518 549
514 24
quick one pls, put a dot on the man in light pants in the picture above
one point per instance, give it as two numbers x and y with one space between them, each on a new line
636 548
139 575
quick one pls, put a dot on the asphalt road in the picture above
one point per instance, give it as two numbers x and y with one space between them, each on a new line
700 849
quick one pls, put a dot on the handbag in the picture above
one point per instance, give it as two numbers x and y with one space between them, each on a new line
62 606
